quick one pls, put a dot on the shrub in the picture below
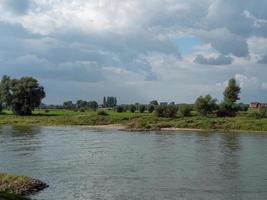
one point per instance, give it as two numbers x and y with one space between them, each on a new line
205 105
169 111
132 108
227 110
185 110
259 114
82 110
142 108
1 107
47 111
150 108
119 109
102 112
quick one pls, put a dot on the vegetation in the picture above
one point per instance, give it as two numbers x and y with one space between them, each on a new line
142 108
22 95
109 102
155 115
185 110
206 105
12 185
9 196
168 111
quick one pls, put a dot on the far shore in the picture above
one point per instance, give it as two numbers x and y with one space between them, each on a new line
127 121
121 127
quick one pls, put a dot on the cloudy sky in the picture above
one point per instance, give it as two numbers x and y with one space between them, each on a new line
137 50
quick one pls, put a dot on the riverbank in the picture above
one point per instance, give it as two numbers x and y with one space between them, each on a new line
13 187
135 121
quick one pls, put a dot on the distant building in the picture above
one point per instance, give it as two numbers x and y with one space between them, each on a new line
255 105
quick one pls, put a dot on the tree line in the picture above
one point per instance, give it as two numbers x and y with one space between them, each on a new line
24 95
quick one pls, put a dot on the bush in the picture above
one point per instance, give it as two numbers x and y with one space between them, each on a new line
142 108
132 108
47 111
185 110
1 107
227 110
206 105
119 109
150 108
102 112
82 110
169 111
259 114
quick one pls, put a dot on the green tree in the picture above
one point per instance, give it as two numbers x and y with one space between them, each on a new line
132 108
22 95
231 92
154 102
205 105
92 105
68 105
185 110
142 108
120 109
168 111
150 108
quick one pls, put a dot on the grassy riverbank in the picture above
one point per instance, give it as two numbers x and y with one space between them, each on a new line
11 186
242 121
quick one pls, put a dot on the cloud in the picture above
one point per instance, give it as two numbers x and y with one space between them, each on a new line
220 60
225 42
131 46
263 60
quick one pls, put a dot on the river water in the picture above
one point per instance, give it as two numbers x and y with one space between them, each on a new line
89 164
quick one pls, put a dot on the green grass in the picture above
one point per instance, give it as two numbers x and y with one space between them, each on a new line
134 120
8 196
8 183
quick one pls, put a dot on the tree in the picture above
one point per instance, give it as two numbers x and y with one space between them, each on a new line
22 95
169 111
110 102
92 105
231 92
119 109
68 105
132 108
150 108
185 110
205 105
104 102
154 102
142 108
1 107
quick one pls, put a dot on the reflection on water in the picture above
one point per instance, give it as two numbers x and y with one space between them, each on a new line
89 164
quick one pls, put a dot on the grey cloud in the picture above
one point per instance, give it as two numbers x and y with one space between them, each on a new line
220 60
263 60
17 6
225 42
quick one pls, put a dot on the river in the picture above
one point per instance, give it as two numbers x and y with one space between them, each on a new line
95 164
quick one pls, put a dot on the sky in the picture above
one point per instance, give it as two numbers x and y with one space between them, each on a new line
136 50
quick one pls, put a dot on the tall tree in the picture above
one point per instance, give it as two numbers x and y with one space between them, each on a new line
22 95
231 92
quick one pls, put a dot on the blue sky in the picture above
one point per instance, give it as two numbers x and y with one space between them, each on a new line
170 50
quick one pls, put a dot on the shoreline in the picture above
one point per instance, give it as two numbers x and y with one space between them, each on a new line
121 127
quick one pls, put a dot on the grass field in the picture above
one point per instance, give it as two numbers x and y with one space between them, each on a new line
144 121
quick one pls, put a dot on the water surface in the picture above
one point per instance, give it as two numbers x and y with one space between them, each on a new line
88 164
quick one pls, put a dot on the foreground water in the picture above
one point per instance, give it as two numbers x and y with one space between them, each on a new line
84 164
